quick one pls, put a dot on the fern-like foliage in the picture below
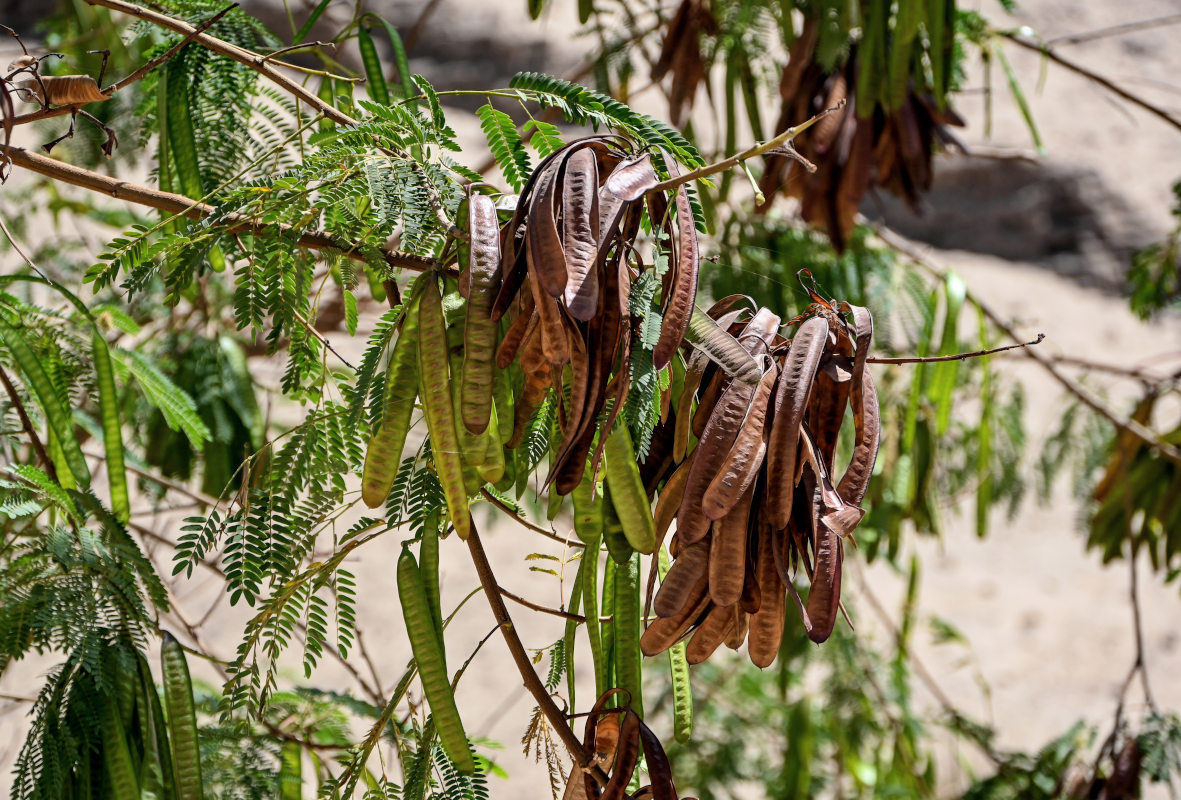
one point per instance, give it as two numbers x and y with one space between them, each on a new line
504 140
584 106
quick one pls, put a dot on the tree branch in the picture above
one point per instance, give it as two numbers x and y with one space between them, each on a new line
1048 52
255 61
496 501
1128 426
193 209
553 714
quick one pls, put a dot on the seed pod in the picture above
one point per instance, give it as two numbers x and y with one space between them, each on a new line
580 229
716 441
432 666
766 625
745 458
727 553
824 597
546 258
688 574
791 400
710 634
664 632
436 399
678 305
384 453
614 537
479 328
867 427
627 491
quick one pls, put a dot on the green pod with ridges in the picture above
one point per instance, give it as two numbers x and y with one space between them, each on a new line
432 666
502 400
626 622
682 690
428 556
614 538
159 750
378 89
588 510
433 376
590 605
472 448
182 719
492 467
628 497
384 454
607 611
108 406
572 628
121 783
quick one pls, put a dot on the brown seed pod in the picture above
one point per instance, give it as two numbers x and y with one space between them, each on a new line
791 401
580 234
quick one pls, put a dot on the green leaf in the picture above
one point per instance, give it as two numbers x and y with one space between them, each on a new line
506 145
401 63
179 410
60 422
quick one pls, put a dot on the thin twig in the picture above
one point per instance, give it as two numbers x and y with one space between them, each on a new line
295 47
206 500
956 356
1116 30
751 152
27 423
251 59
1038 47
15 246
1135 373
187 207
1128 426
496 501
555 715
516 598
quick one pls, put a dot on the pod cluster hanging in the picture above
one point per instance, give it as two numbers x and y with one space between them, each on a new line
547 293
758 495
882 137
564 287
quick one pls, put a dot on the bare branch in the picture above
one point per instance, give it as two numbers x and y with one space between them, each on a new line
1048 52
955 357
1121 424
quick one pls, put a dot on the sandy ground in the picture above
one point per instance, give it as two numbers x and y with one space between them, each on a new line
1049 625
